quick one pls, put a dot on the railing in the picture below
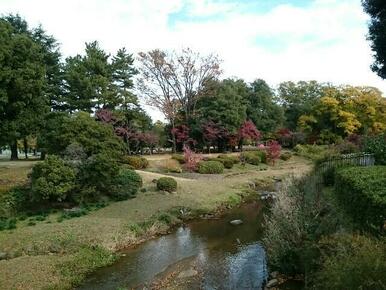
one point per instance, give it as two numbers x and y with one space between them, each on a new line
357 159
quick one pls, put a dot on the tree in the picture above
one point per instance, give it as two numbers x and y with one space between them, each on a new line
377 33
248 131
224 104
346 110
214 134
53 86
95 137
123 73
297 99
22 82
262 109
95 80
176 77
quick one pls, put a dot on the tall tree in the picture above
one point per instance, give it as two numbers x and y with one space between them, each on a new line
262 109
23 102
174 80
123 73
298 99
377 33
346 110
96 80
224 104
49 47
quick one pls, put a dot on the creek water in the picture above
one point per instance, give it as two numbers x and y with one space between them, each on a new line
204 254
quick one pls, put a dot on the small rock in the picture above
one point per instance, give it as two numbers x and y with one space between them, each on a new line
272 283
3 256
187 274
274 274
236 222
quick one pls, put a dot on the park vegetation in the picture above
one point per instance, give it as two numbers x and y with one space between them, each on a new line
82 117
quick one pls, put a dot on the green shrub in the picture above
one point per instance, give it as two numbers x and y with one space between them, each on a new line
362 193
167 184
126 184
14 201
73 213
347 147
137 162
313 152
235 159
352 262
210 167
228 163
285 156
52 180
253 157
377 146
97 177
7 223
94 137
179 157
86 260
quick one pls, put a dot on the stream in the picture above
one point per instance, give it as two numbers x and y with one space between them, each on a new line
204 254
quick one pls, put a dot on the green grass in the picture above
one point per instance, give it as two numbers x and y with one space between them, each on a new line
14 173
49 254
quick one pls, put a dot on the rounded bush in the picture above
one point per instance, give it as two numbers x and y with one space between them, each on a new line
179 157
228 163
171 165
136 162
127 184
167 184
234 159
285 156
210 167
52 180
252 157
97 176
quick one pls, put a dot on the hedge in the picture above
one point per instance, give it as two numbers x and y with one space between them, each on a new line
210 167
362 192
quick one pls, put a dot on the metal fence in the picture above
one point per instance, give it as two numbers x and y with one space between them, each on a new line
356 159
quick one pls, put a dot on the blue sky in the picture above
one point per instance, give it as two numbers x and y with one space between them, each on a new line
277 40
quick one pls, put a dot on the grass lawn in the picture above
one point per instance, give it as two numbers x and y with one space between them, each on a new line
14 173
53 255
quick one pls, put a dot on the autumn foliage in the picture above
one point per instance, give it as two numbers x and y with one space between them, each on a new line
273 150
191 159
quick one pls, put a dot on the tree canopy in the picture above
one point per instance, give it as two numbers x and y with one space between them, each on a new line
377 34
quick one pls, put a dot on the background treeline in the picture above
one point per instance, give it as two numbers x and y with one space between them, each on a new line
41 94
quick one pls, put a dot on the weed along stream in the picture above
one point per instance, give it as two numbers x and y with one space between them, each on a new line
204 254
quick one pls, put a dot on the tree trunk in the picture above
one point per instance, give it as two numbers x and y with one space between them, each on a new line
241 145
14 155
25 143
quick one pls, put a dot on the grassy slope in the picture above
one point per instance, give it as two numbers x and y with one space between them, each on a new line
56 255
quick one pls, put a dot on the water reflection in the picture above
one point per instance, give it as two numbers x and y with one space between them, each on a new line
227 256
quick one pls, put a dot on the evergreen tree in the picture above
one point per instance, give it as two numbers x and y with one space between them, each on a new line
23 81
262 109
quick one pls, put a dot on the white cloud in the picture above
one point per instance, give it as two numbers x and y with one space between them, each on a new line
325 40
